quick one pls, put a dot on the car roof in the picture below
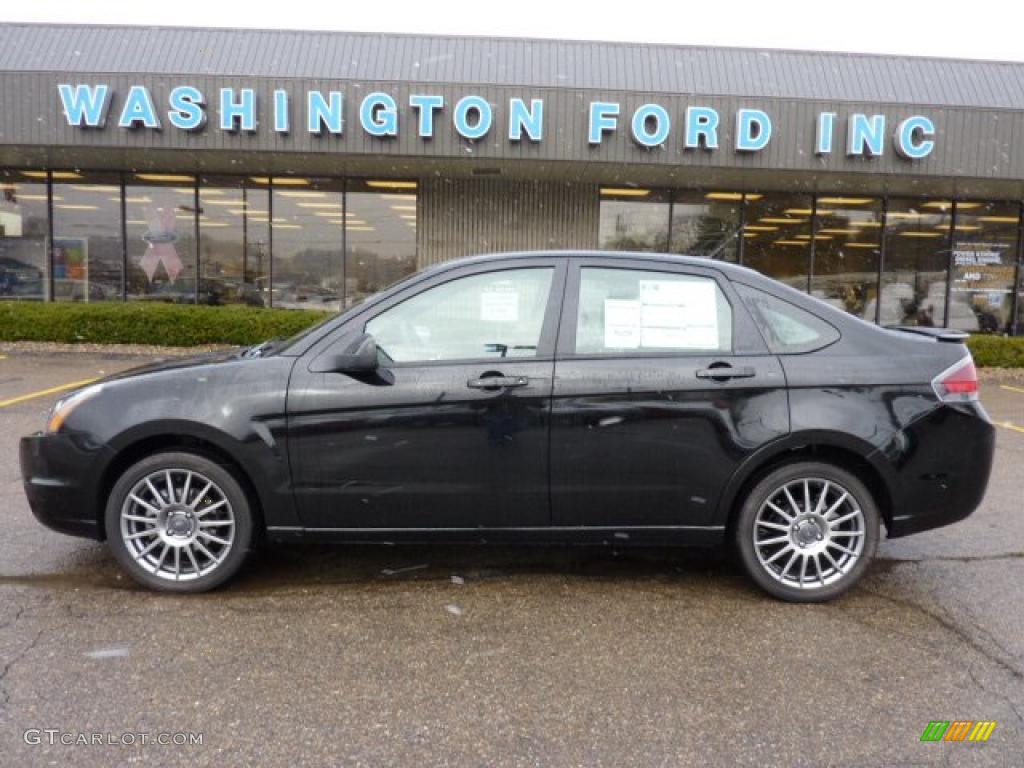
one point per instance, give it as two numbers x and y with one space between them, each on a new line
702 262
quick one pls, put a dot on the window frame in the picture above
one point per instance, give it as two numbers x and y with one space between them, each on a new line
746 339
549 327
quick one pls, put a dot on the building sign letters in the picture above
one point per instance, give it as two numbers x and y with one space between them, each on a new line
472 117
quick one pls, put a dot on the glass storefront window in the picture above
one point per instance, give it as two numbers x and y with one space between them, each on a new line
160 221
777 236
916 259
24 236
234 242
633 220
380 236
1019 328
984 266
308 223
847 249
88 251
706 224
325 243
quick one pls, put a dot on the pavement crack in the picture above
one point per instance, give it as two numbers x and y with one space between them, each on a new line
5 697
13 621
985 689
960 632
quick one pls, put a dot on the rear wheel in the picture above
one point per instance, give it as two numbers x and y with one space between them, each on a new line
807 531
179 522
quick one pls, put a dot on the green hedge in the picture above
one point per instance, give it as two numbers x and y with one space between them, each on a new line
997 351
171 325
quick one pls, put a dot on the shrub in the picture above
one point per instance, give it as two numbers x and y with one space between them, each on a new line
172 325
997 351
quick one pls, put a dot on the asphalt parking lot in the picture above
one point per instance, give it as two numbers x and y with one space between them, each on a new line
548 657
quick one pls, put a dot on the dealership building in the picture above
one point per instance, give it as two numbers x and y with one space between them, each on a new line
310 169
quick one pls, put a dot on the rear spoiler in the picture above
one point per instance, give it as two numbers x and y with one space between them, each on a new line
939 334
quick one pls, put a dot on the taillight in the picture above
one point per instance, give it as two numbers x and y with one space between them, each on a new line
958 383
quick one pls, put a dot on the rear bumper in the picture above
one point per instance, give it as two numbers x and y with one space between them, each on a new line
942 465
61 477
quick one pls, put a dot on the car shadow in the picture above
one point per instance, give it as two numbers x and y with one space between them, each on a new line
285 568
311 565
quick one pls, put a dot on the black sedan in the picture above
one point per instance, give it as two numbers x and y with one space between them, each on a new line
589 397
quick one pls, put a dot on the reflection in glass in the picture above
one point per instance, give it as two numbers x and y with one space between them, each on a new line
847 249
87 247
1019 328
984 266
160 222
916 258
234 242
706 226
633 220
380 236
23 238
777 236
490 315
308 223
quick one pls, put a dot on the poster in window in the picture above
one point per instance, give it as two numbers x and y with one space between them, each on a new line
982 285
71 267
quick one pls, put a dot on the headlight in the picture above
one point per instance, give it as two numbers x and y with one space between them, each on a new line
63 407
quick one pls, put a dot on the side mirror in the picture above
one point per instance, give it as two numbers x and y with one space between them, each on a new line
358 357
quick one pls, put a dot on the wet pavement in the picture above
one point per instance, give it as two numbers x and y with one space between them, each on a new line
460 656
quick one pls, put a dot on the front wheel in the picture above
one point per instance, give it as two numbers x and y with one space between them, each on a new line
807 531
179 522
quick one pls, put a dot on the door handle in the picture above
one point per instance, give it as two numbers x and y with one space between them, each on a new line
498 382
726 372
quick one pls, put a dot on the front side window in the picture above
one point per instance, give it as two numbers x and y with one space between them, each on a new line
489 315
633 311
786 327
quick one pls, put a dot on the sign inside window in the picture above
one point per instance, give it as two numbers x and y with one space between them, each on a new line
499 304
669 314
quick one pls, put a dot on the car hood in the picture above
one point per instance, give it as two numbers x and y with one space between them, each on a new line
173 364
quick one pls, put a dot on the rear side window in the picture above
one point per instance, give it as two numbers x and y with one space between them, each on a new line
787 329
629 311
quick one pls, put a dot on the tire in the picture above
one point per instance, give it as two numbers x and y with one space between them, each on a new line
194 540
807 549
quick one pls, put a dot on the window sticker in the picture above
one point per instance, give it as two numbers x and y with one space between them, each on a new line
499 303
622 323
673 293
678 314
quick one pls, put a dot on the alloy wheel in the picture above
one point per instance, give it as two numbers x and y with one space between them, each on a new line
809 533
177 524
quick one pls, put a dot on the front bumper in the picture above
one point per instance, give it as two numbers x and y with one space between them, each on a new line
61 475
943 462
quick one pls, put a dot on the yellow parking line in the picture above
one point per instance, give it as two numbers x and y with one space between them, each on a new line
45 392
1006 424
1012 389
3 357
